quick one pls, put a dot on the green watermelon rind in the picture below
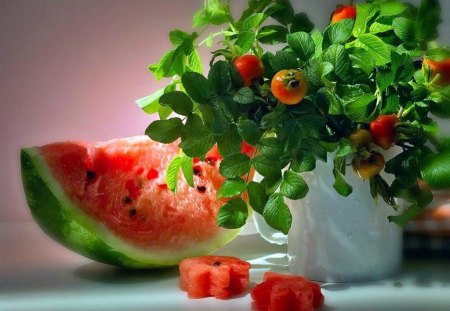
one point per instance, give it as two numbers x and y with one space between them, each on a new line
62 220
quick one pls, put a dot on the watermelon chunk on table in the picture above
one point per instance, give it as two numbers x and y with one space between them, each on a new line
218 276
281 292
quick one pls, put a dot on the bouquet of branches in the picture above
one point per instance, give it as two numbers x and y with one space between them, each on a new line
373 79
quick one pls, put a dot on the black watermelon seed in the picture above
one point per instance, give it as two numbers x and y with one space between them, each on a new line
197 171
90 175
201 188
132 212
216 264
127 200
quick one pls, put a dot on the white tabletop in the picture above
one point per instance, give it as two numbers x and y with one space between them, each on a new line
36 273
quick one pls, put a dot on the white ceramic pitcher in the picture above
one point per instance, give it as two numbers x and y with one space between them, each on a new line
338 239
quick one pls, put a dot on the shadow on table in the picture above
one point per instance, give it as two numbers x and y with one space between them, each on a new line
100 273
416 272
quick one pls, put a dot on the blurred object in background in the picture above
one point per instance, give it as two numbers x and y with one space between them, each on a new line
429 234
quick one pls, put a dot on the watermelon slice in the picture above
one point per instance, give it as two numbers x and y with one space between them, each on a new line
283 292
218 276
109 201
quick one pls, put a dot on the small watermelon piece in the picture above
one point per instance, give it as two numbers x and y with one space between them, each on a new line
285 293
109 201
218 276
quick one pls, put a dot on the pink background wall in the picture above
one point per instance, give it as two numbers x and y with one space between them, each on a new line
71 69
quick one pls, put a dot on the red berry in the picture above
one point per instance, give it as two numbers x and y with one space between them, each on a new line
250 68
343 12
383 130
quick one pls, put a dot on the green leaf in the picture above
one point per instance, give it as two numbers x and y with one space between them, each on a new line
235 165
391 8
409 214
164 112
165 131
194 147
317 37
266 167
293 186
271 147
274 118
187 169
272 34
245 40
337 56
345 148
249 131
257 196
233 214
378 27
276 213
385 78
177 36
362 59
230 142
178 102
301 22
244 96
413 194
150 104
302 44
231 188
392 104
191 145
375 47
405 166
428 20
220 77
214 12
436 170
351 92
305 163
197 87
172 173
314 147
281 11
338 33
284 60
359 110
438 54
440 105
404 29
194 62
316 70
364 13
340 185
444 144
253 21
214 118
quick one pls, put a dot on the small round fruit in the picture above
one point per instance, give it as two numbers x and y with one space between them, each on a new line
360 138
383 130
439 67
289 86
250 68
370 167
343 12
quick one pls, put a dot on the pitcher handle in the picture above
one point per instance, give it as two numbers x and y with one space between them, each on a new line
267 232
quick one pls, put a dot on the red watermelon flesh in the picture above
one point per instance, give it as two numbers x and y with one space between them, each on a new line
218 276
119 187
285 293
